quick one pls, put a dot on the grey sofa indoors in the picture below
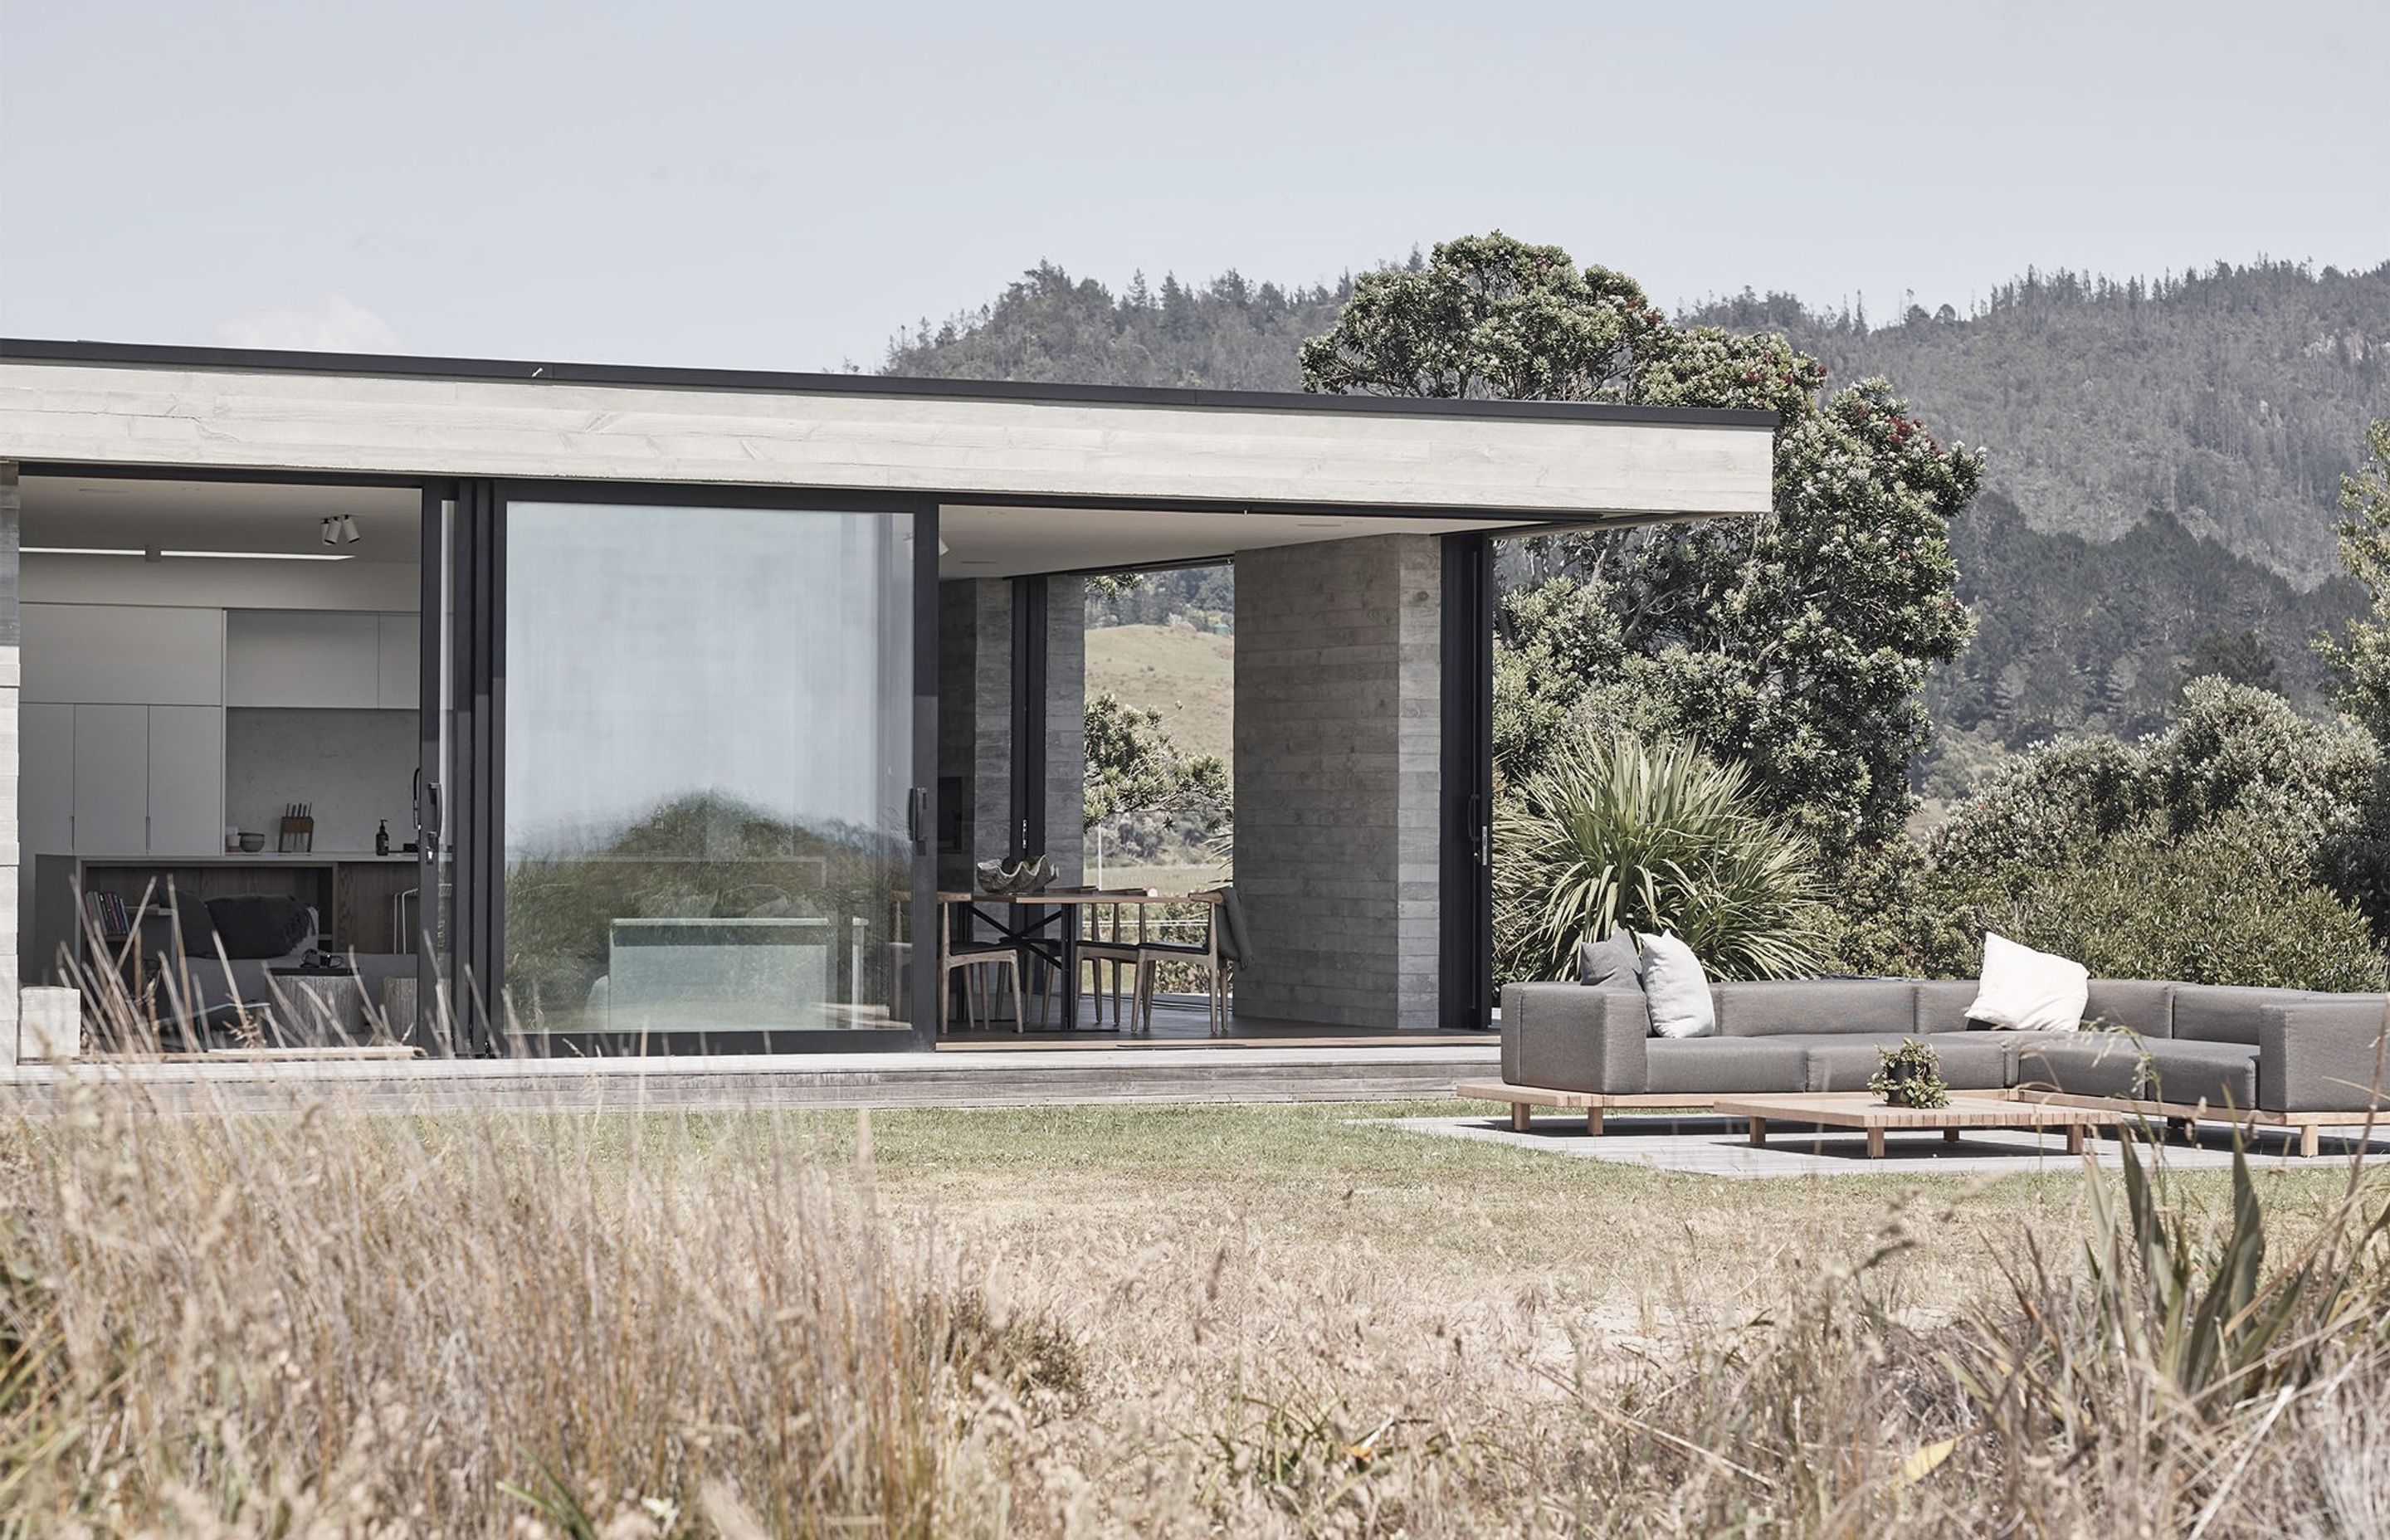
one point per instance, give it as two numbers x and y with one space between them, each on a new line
2251 1051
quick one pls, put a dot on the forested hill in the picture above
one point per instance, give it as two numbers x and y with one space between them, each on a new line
2232 399
2165 455
1229 334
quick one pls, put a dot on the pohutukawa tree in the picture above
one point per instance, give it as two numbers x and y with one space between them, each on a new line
1797 641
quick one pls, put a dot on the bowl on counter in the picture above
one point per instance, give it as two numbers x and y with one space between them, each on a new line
252 843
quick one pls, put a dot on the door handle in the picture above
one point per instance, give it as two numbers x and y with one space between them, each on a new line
916 815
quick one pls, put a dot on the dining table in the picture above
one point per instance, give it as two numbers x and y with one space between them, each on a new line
1046 925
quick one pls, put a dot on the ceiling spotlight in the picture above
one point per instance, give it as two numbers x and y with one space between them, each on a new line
332 532
341 528
349 529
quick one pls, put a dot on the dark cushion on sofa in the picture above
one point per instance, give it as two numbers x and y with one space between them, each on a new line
1775 1008
2142 1005
1721 1066
1612 961
2110 1064
259 924
195 930
1838 1062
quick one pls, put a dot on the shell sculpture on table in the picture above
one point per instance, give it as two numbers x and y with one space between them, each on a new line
1006 877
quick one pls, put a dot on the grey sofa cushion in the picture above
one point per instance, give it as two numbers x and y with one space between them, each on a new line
2228 1013
2142 1006
2109 1064
1839 1061
1567 1037
2322 1056
1611 961
1942 1005
1778 1008
1722 1066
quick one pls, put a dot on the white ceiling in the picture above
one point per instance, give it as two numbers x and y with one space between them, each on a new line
1013 541
134 514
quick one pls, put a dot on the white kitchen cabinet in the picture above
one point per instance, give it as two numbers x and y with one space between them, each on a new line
187 780
45 811
122 654
45 781
402 677
318 658
112 780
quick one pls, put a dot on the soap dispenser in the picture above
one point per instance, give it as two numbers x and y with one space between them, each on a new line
381 838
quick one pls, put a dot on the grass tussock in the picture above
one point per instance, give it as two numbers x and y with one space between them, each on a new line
619 1326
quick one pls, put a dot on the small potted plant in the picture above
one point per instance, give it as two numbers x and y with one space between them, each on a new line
1909 1075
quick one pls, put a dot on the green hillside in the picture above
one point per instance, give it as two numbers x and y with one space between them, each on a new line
2231 400
1184 673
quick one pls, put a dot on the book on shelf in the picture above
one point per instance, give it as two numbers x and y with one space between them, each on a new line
106 915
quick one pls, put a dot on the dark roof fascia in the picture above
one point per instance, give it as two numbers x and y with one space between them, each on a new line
278 360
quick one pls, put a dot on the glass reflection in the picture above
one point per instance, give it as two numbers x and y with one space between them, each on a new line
708 749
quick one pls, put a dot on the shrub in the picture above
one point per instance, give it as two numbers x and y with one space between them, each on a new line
2208 907
1892 912
2299 787
1653 838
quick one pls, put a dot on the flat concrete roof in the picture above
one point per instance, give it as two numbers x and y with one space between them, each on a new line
145 355
68 406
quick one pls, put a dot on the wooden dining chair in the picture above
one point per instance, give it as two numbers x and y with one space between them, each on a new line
968 958
1116 950
1207 956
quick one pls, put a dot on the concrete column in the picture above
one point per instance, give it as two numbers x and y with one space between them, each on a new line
1338 737
974 721
1066 725
10 675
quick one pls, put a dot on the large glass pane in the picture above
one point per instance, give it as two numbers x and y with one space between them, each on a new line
708 755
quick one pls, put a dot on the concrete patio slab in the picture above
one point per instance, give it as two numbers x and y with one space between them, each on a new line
1709 1145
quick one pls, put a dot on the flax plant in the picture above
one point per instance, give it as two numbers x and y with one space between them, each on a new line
1652 837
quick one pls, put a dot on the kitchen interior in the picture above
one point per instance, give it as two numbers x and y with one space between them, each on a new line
218 738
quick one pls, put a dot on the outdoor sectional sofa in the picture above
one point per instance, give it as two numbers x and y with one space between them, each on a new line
2280 1057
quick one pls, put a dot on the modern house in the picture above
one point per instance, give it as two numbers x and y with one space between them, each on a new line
679 693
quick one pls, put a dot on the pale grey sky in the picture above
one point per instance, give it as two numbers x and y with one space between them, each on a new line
783 185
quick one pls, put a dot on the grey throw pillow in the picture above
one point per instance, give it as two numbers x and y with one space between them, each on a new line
1612 961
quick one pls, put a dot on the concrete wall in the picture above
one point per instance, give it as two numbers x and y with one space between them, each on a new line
1338 737
975 720
9 678
354 768
1066 725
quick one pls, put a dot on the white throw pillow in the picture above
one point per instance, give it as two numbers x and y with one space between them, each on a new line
1676 990
2023 990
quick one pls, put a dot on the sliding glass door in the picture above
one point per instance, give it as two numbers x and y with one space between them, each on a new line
708 820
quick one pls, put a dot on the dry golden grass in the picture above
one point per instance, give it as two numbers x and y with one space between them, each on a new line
1121 1321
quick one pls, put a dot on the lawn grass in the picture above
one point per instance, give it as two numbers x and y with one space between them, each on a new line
1471 1217
1119 1320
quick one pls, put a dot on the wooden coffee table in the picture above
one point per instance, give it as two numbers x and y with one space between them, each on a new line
1860 1110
